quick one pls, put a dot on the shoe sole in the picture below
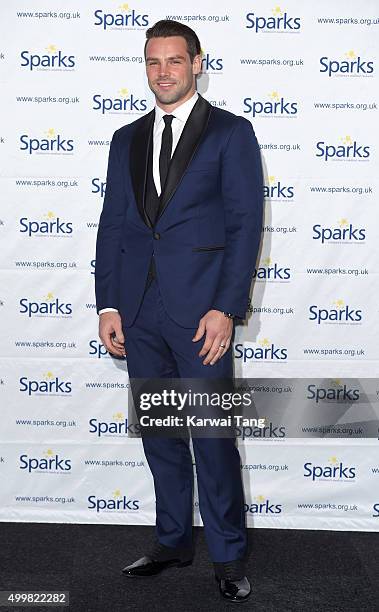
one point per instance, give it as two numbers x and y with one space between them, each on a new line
236 601
180 564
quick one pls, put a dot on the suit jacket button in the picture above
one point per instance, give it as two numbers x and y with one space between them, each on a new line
156 236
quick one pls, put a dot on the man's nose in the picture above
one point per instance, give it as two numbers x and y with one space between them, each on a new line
163 70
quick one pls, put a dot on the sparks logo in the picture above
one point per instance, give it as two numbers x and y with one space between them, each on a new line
98 350
342 232
49 385
263 506
268 271
118 502
49 463
349 150
49 225
269 431
117 427
340 314
275 105
265 351
336 471
350 65
98 186
278 22
210 64
337 391
49 306
123 102
275 190
124 19
54 59
51 144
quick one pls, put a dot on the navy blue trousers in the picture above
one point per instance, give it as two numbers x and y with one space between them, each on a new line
157 347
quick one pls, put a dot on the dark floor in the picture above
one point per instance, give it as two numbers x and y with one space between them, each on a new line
288 569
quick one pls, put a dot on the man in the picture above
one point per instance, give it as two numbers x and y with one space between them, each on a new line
176 248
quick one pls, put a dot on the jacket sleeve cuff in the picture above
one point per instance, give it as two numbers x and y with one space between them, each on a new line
235 314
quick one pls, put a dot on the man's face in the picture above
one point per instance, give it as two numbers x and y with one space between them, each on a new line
169 70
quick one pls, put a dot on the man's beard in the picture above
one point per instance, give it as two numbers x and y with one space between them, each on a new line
171 97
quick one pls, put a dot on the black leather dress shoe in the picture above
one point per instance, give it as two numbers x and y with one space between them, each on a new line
235 590
160 558
233 584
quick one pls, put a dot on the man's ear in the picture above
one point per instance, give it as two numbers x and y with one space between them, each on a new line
196 64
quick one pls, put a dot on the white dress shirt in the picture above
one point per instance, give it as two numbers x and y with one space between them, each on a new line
181 114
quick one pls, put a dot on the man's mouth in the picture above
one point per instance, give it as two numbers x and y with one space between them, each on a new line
165 84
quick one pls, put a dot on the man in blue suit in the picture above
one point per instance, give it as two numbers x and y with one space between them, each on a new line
176 249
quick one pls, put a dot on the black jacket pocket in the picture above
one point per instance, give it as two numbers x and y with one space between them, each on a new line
208 248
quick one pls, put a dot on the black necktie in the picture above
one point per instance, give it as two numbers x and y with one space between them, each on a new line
166 148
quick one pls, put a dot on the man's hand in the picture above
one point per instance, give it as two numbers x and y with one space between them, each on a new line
218 331
110 332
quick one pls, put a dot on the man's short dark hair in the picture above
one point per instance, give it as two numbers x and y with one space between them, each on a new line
167 27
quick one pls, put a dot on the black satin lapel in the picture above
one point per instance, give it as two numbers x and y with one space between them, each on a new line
185 149
139 155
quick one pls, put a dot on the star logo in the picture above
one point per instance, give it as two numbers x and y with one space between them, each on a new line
266 261
336 382
271 179
51 48
347 140
124 7
123 92
117 493
339 303
48 453
49 297
274 95
277 11
264 342
333 460
351 54
260 498
118 416
49 375
50 132
49 215
343 222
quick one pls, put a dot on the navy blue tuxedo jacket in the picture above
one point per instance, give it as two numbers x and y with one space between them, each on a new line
206 236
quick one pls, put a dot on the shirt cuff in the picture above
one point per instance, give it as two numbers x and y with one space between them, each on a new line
107 310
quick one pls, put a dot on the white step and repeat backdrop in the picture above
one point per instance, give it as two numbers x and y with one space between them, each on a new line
306 76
